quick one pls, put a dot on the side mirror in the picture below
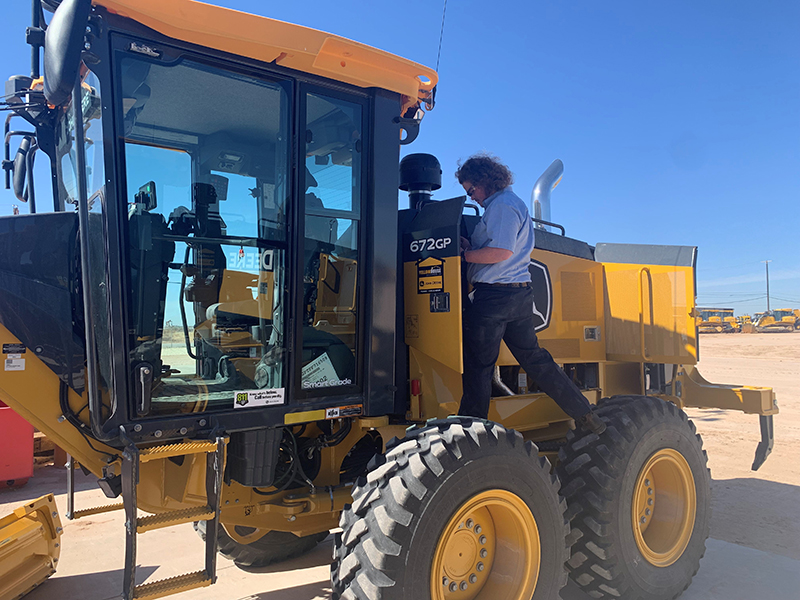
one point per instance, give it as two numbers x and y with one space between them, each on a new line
20 169
63 45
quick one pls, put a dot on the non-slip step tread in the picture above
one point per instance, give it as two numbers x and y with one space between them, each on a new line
172 585
85 512
174 517
179 449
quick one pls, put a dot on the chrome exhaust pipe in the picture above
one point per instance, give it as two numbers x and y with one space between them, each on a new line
540 196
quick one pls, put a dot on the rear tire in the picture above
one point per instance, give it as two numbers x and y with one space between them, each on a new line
272 547
460 502
638 500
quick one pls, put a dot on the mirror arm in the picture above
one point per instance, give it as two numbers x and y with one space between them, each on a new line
35 37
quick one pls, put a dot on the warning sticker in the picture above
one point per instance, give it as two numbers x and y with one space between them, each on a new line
15 364
252 398
430 276
14 349
343 411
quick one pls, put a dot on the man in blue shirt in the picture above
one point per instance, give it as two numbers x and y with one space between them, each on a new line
501 308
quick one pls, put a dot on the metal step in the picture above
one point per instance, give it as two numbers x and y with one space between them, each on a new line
175 517
85 512
179 449
173 585
134 524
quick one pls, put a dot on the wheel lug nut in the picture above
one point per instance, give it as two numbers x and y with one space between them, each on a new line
473 578
445 581
479 566
454 587
470 523
484 552
478 529
464 585
647 482
649 491
647 512
644 520
482 539
650 501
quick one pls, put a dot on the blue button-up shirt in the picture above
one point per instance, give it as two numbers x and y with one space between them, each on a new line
505 224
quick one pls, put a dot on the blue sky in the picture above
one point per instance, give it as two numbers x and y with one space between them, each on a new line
678 123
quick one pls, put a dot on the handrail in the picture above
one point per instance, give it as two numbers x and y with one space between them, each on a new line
475 208
95 400
641 309
643 347
550 224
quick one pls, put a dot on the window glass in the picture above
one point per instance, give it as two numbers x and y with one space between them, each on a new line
67 184
331 249
66 151
206 157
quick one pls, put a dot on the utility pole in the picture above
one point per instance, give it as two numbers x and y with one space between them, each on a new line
766 264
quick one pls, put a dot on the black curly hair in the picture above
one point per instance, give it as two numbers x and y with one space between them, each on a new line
486 171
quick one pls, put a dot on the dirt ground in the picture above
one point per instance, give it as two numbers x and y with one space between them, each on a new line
756 509
754 550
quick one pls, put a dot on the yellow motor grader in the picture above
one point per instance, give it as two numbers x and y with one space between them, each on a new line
226 319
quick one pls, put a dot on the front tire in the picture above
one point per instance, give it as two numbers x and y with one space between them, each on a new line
461 508
638 500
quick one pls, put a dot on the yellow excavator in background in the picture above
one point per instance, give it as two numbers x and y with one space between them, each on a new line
225 318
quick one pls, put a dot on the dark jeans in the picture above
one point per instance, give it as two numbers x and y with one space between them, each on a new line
506 314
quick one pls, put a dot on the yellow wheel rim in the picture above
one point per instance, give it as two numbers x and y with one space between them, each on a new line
489 550
664 507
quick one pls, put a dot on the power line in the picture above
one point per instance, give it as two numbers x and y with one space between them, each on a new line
728 293
728 267
786 299
739 301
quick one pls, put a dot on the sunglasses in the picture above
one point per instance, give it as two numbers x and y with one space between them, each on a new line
471 191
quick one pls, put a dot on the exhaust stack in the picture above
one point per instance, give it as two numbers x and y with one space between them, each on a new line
540 196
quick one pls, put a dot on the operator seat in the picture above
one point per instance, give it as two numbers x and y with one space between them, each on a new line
150 257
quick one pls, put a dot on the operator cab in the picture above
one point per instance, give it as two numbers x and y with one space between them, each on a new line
231 274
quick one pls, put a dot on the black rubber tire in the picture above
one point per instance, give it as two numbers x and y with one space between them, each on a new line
272 547
598 475
390 532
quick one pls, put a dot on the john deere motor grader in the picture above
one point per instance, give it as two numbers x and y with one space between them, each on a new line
226 320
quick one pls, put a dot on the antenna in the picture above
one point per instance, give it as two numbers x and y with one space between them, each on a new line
441 36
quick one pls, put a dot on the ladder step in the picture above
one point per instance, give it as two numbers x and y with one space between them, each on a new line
97 510
173 585
175 517
179 449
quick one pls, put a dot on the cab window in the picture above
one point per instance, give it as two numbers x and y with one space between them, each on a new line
206 156
331 277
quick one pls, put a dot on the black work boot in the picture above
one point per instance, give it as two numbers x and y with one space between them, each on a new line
593 423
